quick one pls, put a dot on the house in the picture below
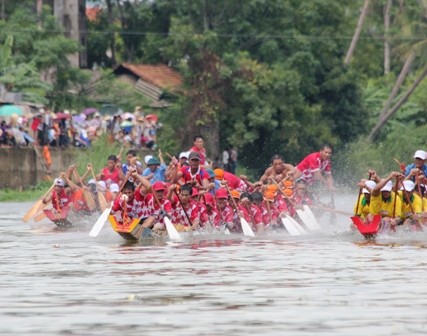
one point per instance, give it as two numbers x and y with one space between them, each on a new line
153 81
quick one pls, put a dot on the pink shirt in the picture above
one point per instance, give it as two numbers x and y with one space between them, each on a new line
202 153
312 163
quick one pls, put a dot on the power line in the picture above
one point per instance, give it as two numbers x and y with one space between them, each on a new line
257 36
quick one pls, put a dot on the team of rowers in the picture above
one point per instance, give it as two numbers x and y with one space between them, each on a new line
402 203
190 192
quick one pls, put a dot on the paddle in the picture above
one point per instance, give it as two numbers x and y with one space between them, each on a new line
183 209
247 230
170 228
291 225
87 195
35 208
103 204
99 224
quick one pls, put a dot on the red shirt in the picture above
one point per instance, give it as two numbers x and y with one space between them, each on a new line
312 163
179 216
274 213
155 210
199 176
60 200
234 182
111 177
254 216
135 208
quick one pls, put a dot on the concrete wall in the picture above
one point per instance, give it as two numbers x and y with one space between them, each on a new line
21 169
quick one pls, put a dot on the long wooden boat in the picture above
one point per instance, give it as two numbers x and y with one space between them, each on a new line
59 218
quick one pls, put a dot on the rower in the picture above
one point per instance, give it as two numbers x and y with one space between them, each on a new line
316 168
277 170
386 203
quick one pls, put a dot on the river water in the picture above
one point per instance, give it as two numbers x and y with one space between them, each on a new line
327 283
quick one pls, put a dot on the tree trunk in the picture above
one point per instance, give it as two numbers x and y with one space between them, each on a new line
386 37
110 24
382 121
357 32
398 83
2 16
39 12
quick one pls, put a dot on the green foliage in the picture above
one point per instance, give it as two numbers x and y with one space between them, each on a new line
113 91
32 193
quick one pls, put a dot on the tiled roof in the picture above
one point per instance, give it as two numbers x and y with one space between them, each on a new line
92 13
159 75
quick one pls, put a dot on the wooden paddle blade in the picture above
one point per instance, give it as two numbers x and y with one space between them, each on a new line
293 231
96 229
40 216
247 230
103 204
172 232
89 200
33 210
367 228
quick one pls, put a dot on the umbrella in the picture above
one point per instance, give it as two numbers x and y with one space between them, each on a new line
128 115
9 110
126 123
61 115
89 110
78 119
152 117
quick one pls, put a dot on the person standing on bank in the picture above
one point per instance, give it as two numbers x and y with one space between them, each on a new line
316 168
198 147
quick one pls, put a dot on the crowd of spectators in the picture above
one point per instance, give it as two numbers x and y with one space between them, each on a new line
65 128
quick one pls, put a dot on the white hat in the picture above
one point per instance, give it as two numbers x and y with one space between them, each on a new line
184 155
92 181
59 182
420 154
147 158
388 186
114 187
102 185
370 184
408 185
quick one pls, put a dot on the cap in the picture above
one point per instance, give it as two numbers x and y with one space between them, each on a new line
211 173
59 182
288 184
370 184
269 195
92 181
221 193
420 154
219 173
209 199
408 185
235 194
102 185
288 192
147 158
153 161
271 188
194 156
388 186
114 187
183 155
157 186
